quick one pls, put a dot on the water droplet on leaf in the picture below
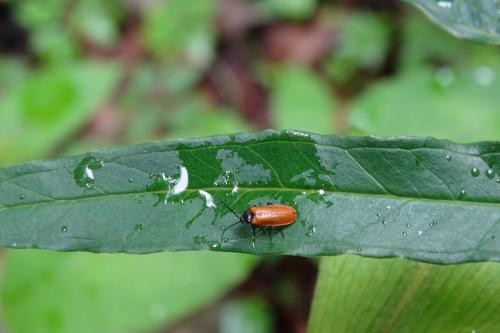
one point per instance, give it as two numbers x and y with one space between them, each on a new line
445 3
213 245
490 173
21 196
84 171
475 172
64 228
138 227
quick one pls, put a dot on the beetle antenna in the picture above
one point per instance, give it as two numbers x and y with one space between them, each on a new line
229 208
226 229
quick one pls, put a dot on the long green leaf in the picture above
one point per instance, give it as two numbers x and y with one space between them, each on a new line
471 19
392 295
421 198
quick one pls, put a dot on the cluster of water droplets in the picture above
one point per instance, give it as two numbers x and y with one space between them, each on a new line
310 228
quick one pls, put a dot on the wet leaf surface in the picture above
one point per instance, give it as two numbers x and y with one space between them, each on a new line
411 197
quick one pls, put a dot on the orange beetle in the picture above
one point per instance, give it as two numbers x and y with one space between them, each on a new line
270 216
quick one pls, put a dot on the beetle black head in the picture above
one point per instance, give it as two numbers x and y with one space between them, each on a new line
246 217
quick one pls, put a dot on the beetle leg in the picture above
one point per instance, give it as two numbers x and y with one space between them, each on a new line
282 234
270 233
253 237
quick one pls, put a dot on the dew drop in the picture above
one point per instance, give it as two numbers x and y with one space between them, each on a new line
378 214
321 191
388 207
84 172
490 173
21 196
64 228
434 222
404 233
131 180
448 158
213 245
498 180
138 227
420 232
408 225
359 249
475 172
384 222
444 3
462 194
14 244
225 239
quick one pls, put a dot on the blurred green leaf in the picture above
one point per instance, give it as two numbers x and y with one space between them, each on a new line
209 120
38 13
51 104
363 41
443 103
13 72
442 49
422 198
288 9
418 49
476 20
301 100
54 44
181 34
56 25
394 295
246 315
78 292
99 21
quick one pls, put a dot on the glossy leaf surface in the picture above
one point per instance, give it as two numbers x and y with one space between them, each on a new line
471 19
421 198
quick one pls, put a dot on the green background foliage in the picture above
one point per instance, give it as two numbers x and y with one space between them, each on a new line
75 76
